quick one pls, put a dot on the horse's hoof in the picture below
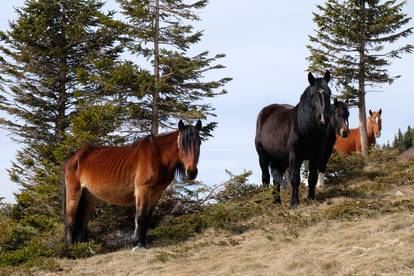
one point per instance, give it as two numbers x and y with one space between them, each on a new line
138 248
294 206
277 201
310 201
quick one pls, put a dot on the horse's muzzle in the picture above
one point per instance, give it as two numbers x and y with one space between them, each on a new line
191 173
344 133
322 120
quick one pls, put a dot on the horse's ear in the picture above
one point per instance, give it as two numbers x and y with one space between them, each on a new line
181 125
380 111
327 76
311 79
336 102
370 112
198 125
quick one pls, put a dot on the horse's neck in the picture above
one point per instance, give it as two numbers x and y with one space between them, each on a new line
305 117
371 134
167 145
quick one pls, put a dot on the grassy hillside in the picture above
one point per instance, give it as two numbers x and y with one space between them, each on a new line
362 223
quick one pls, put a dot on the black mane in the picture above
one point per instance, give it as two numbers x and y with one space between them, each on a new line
189 140
307 115
189 137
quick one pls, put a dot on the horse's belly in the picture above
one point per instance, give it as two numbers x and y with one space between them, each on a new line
113 192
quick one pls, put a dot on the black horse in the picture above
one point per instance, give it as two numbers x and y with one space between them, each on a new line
338 125
286 136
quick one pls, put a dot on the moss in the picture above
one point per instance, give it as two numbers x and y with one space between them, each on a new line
230 216
85 249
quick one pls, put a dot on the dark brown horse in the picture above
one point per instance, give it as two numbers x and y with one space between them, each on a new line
338 127
286 136
127 175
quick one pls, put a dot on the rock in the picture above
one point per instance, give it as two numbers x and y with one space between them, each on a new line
398 193
408 154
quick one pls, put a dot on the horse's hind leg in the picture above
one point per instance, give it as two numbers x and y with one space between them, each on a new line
86 207
294 175
264 165
277 176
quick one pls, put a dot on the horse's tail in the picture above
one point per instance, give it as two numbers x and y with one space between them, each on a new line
63 182
63 194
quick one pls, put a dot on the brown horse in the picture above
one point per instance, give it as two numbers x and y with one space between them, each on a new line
127 175
353 142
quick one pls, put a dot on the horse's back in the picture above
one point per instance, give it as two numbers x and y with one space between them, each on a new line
350 144
273 129
273 113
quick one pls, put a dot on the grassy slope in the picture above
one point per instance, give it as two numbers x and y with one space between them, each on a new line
364 225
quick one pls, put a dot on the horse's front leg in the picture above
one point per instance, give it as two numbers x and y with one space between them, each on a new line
142 217
294 175
313 178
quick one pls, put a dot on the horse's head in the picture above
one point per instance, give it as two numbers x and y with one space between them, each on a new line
374 121
189 142
320 96
339 118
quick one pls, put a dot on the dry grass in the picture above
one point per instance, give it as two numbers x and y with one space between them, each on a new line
362 226
382 245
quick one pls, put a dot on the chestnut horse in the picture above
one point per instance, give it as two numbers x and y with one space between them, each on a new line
353 142
287 135
127 175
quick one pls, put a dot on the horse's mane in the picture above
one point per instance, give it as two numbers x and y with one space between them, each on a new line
187 135
146 137
150 137
305 113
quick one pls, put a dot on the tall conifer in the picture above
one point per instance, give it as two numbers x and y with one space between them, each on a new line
51 47
353 40
160 31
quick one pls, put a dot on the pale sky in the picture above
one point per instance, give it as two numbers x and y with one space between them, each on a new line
266 57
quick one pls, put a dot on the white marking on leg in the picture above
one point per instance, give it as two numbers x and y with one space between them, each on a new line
321 180
306 180
138 248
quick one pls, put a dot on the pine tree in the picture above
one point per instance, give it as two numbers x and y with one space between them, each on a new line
352 40
160 31
51 51
407 139
398 140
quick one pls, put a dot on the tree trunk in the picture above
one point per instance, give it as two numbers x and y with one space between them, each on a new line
63 77
361 81
61 108
363 118
155 92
